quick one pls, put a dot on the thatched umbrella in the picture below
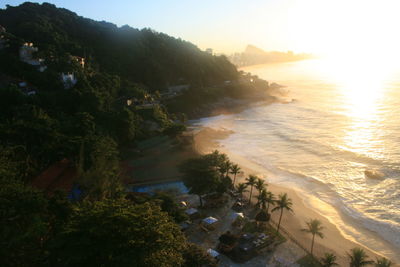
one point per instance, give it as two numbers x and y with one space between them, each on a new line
262 217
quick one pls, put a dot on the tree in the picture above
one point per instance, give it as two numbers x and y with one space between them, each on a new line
270 199
118 233
260 185
328 260
262 199
195 256
283 203
99 172
235 169
225 168
314 227
24 226
251 181
383 262
358 258
200 175
241 188
169 204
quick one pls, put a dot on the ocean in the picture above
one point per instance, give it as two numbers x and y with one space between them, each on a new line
334 123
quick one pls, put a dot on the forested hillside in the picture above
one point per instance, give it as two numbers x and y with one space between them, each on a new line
142 56
73 93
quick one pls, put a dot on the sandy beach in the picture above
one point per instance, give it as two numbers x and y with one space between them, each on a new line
335 241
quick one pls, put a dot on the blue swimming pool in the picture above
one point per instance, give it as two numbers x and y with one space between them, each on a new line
176 186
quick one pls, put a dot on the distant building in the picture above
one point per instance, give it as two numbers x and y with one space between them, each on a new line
68 79
80 60
26 54
209 51
26 88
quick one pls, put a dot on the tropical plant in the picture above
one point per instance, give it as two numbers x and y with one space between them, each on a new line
241 188
270 199
328 260
196 256
251 181
358 258
383 262
262 199
235 169
314 227
260 185
225 168
117 233
283 203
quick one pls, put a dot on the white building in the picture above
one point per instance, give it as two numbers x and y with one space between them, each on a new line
68 79
26 55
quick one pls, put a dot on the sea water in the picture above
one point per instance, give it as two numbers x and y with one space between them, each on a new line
332 124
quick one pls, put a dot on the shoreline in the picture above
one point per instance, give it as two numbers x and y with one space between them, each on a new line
305 207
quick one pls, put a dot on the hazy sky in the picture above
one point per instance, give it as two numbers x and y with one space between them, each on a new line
229 25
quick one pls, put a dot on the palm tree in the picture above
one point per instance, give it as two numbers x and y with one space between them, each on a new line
235 169
225 168
282 203
328 260
260 185
241 188
358 258
314 227
262 199
383 262
251 181
270 200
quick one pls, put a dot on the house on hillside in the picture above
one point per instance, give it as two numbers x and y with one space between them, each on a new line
69 80
26 88
60 176
80 60
26 54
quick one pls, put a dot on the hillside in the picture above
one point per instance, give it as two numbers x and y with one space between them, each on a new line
143 56
69 85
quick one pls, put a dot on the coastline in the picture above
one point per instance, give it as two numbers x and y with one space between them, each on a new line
305 207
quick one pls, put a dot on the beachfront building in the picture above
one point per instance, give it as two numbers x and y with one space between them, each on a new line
68 79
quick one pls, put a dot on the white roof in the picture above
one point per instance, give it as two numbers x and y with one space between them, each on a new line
191 211
212 252
210 220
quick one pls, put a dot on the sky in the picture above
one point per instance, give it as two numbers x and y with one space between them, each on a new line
314 26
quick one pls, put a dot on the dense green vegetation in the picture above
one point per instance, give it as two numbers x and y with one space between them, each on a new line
116 102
